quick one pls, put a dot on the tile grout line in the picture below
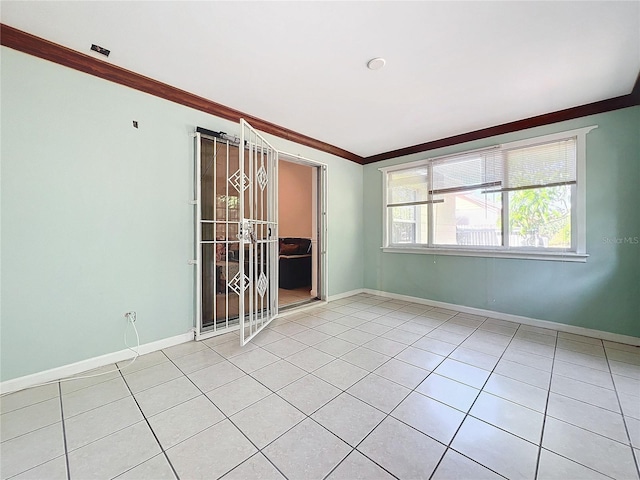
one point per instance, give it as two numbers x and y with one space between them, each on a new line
546 407
64 432
624 417
151 429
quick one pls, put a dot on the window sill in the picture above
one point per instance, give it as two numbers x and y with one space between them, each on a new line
518 254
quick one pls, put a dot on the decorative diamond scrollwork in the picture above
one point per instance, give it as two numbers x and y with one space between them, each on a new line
262 176
261 284
234 284
239 182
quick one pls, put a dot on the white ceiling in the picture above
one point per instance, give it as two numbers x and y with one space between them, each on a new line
452 67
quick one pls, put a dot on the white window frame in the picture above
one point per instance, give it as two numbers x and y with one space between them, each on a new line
578 250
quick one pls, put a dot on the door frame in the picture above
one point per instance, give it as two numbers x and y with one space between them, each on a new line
319 211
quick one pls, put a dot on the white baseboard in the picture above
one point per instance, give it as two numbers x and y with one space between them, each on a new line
64 371
534 322
350 293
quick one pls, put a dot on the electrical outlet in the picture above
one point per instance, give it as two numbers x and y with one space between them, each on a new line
130 316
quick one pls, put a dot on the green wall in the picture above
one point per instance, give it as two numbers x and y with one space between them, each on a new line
95 215
602 294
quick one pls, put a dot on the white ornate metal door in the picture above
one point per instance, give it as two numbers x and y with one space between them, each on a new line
258 177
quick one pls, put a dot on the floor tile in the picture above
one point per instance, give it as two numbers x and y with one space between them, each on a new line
100 422
26 419
194 458
91 377
195 361
335 346
233 348
267 336
630 405
309 393
584 374
285 347
579 338
555 467
584 359
234 396
589 449
358 467
402 450
529 359
435 346
30 450
374 328
446 336
55 469
142 362
633 426
420 358
383 394
152 376
587 416
278 374
455 327
157 468
455 466
448 391
591 349
166 395
509 416
621 346
29 396
257 467
536 337
310 359
523 373
483 346
350 321
415 327
516 458
532 347
311 337
340 374
401 336
477 359
364 358
625 369
463 373
183 349
179 423
431 417
206 379
254 360
267 419
385 346
95 396
357 337
627 385
307 439
332 328
110 456
518 392
403 373
220 339
585 392
290 328
349 418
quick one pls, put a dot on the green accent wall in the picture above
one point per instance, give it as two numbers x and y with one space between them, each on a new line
96 220
601 294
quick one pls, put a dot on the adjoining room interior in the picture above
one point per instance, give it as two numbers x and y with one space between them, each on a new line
458 251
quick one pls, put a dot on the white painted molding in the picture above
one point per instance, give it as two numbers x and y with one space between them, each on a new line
350 293
64 371
534 322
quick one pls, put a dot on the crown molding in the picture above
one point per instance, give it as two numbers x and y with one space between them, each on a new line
30 44
602 106
24 42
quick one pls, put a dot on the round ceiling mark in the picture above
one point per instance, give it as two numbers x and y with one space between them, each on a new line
376 63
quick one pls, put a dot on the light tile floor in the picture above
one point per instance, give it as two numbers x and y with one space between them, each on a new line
364 387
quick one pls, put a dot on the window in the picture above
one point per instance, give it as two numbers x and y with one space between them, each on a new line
522 199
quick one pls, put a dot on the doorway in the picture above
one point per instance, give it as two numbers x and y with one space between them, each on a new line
301 231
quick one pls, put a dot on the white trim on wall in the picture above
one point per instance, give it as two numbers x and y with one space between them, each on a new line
64 371
534 322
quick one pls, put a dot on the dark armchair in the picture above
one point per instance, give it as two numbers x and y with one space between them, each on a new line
295 263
